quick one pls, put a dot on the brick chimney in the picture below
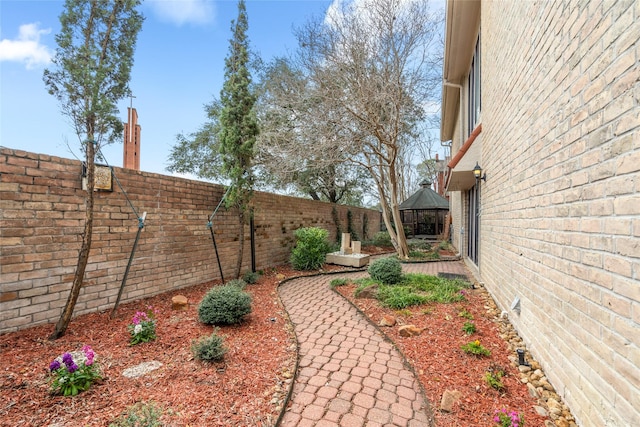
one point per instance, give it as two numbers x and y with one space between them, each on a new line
132 141
440 171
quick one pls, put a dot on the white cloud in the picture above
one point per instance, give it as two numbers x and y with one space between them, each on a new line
181 12
26 48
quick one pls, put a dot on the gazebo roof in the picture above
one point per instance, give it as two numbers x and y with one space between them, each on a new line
425 198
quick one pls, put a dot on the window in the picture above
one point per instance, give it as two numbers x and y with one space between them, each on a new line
474 94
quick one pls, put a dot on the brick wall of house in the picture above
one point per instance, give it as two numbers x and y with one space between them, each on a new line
42 215
560 223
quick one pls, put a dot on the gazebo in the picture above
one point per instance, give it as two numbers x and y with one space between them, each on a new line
424 213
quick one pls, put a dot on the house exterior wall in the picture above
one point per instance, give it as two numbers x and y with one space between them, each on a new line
42 216
560 209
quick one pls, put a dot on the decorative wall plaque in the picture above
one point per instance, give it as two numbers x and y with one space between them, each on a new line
103 178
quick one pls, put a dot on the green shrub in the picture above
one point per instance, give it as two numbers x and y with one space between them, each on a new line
142 414
400 297
386 270
209 349
238 283
469 328
444 245
338 282
465 313
475 348
311 248
382 238
494 381
250 277
417 255
420 245
493 377
226 304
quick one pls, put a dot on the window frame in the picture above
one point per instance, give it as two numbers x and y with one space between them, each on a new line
474 89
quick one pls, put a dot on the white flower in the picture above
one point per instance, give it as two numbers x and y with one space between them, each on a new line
137 329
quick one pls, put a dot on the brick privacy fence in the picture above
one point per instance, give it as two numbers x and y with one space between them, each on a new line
42 215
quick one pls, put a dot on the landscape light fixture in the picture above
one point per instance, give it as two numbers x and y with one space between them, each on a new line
477 172
521 360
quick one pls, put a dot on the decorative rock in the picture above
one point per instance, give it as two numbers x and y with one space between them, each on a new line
387 321
449 398
141 369
370 292
409 331
553 403
280 276
179 302
541 411
545 385
532 390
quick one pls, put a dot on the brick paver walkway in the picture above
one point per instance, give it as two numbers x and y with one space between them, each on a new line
348 374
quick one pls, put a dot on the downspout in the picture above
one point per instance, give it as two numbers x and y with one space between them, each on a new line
446 83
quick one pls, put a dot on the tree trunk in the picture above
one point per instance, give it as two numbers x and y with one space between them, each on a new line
83 256
241 243
402 248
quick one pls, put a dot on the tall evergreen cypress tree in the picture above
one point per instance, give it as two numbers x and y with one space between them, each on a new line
238 124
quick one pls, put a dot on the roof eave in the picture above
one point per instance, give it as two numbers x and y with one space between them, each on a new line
461 30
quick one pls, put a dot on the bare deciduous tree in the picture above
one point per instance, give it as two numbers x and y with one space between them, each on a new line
371 67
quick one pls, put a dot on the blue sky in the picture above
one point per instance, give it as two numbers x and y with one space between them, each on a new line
179 65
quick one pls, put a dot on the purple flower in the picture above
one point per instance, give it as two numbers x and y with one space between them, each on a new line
72 368
67 359
54 366
88 352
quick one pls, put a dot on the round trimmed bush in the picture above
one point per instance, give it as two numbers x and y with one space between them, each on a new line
239 283
386 270
224 305
209 349
311 248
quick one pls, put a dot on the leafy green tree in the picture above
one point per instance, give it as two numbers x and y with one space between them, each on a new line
238 124
90 74
291 153
198 153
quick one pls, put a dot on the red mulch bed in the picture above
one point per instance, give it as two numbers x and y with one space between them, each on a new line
235 392
248 387
442 365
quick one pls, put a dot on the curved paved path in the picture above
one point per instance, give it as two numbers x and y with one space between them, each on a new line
348 374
